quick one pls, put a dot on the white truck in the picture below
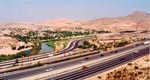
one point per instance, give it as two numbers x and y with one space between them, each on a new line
146 42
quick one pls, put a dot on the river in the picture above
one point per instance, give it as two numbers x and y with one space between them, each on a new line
45 48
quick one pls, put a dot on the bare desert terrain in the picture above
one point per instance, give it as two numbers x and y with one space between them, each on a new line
136 70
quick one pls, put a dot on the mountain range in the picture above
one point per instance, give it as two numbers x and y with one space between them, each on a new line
137 20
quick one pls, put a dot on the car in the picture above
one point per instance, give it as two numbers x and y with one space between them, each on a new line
137 45
121 59
146 42
49 69
86 58
50 55
17 61
116 51
34 58
135 52
70 53
83 61
2 79
84 67
112 52
101 55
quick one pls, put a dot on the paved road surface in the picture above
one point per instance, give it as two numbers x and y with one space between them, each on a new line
73 45
40 70
102 67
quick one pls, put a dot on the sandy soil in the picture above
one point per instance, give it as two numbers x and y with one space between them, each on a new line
70 68
142 63
10 51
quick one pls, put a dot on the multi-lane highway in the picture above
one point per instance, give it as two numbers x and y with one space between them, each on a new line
72 45
40 70
101 67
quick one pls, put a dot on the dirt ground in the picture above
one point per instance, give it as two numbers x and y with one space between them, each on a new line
136 70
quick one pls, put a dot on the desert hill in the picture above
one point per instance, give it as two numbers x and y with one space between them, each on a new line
137 20
131 22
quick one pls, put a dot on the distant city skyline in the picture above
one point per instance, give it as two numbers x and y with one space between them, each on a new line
44 10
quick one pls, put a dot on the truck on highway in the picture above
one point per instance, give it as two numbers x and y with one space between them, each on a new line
146 42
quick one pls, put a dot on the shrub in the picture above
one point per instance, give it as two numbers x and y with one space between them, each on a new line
13 47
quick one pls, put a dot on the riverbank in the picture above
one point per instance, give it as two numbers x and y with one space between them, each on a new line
58 44
51 44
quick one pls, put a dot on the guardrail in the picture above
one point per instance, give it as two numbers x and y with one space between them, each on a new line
59 59
78 68
35 57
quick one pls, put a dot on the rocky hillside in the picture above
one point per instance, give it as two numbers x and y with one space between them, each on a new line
137 20
6 42
138 16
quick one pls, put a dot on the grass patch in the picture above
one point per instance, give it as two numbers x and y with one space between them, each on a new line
51 44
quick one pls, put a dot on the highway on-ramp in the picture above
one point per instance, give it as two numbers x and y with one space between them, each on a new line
72 45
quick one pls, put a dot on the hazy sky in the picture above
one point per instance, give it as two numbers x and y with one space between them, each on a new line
43 10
